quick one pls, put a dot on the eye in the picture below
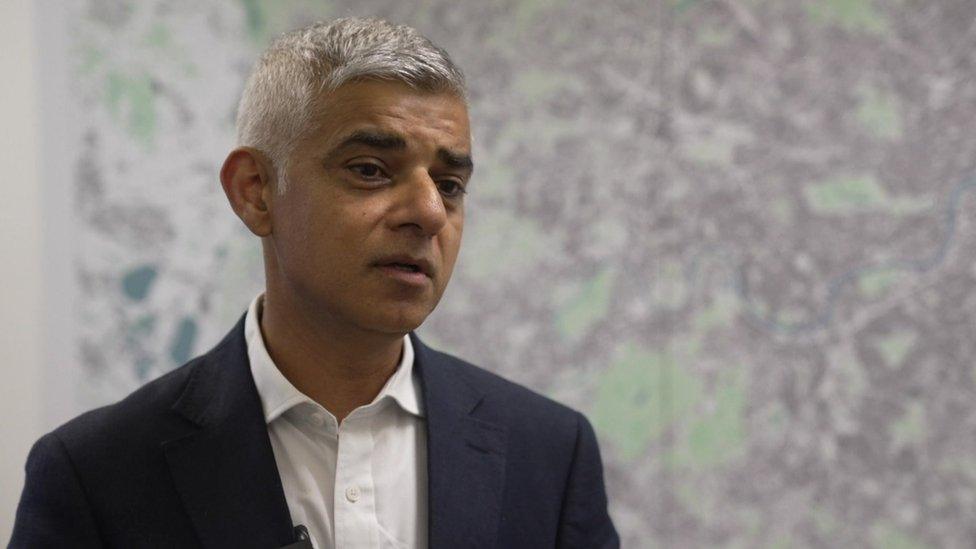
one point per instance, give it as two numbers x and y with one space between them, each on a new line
451 188
368 171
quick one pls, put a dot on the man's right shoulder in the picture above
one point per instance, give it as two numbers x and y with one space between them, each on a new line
148 415
145 416
103 475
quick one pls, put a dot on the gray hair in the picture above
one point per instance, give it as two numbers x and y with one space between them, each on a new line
276 108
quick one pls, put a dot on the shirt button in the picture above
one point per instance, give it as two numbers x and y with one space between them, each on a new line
352 494
318 419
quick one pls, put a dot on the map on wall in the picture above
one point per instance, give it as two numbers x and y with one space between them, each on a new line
738 235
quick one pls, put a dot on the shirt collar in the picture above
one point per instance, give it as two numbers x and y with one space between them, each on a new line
278 395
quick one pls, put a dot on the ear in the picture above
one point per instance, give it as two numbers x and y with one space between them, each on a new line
246 179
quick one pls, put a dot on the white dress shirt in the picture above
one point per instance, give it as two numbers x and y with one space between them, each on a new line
358 484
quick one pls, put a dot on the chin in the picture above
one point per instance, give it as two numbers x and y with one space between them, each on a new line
400 320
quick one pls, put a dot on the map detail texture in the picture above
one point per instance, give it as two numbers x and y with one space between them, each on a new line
738 235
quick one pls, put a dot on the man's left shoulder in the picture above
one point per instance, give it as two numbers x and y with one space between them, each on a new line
515 406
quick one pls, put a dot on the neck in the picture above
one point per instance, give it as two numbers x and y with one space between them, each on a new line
340 367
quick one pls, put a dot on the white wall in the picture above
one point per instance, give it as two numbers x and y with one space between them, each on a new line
21 275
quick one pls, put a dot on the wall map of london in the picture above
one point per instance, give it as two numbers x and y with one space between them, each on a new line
738 235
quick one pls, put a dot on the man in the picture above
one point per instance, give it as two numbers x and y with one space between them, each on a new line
321 411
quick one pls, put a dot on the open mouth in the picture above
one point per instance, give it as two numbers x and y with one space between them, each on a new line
405 267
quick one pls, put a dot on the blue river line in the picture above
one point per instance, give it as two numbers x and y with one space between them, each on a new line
838 282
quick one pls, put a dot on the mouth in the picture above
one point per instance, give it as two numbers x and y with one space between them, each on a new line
413 270
407 267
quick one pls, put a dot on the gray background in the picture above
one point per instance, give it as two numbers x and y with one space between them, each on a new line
737 235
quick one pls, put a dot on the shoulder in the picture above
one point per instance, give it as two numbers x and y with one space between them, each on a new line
519 409
141 416
102 461
550 451
147 415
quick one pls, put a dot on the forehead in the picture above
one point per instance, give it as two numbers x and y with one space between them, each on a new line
436 118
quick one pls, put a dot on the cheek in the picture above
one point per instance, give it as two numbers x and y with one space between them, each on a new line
307 231
451 244
458 226
340 236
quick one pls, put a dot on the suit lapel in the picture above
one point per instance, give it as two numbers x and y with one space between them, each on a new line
224 467
465 457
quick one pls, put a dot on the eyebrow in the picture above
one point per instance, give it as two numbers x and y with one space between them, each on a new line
395 142
376 140
456 160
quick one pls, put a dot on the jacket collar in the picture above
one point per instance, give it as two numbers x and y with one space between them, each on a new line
225 471
465 455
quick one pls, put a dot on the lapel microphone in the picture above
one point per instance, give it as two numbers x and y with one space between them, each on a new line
302 539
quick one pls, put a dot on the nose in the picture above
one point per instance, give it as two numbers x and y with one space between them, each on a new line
420 205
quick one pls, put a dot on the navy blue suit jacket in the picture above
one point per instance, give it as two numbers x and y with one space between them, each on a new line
186 461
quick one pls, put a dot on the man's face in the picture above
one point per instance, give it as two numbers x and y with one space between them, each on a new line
367 232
